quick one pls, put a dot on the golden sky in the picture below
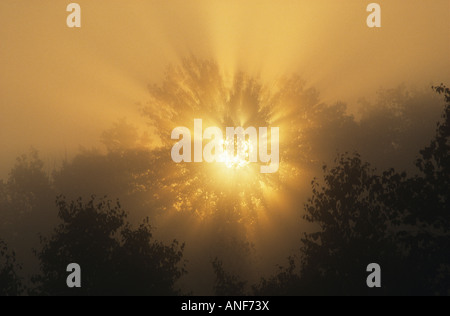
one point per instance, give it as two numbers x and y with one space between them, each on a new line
60 87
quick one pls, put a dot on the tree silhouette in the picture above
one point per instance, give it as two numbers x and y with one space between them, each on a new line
124 136
394 126
26 197
286 282
435 167
219 210
226 284
115 258
10 283
224 204
421 205
199 89
353 230
399 222
429 209
26 209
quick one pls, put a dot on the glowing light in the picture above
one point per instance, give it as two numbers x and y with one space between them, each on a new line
236 161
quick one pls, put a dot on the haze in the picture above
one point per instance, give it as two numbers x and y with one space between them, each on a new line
135 70
61 87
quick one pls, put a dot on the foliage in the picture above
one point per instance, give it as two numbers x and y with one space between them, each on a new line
115 258
399 222
227 284
10 283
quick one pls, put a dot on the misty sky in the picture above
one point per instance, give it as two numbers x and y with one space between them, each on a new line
60 87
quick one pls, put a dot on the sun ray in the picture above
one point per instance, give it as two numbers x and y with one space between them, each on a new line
199 89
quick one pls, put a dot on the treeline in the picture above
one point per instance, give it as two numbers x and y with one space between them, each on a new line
116 259
399 221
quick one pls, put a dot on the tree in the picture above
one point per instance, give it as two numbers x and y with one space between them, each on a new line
355 227
284 283
26 208
395 125
227 284
10 283
25 198
422 207
115 259
399 222
434 164
124 136
429 208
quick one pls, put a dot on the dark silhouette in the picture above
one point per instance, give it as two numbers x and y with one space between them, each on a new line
429 209
246 220
26 209
10 283
399 222
221 208
226 284
115 259
354 230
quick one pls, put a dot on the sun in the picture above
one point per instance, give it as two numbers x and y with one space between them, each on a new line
241 156
232 183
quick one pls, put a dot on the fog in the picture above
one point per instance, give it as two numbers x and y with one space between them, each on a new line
60 88
98 105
